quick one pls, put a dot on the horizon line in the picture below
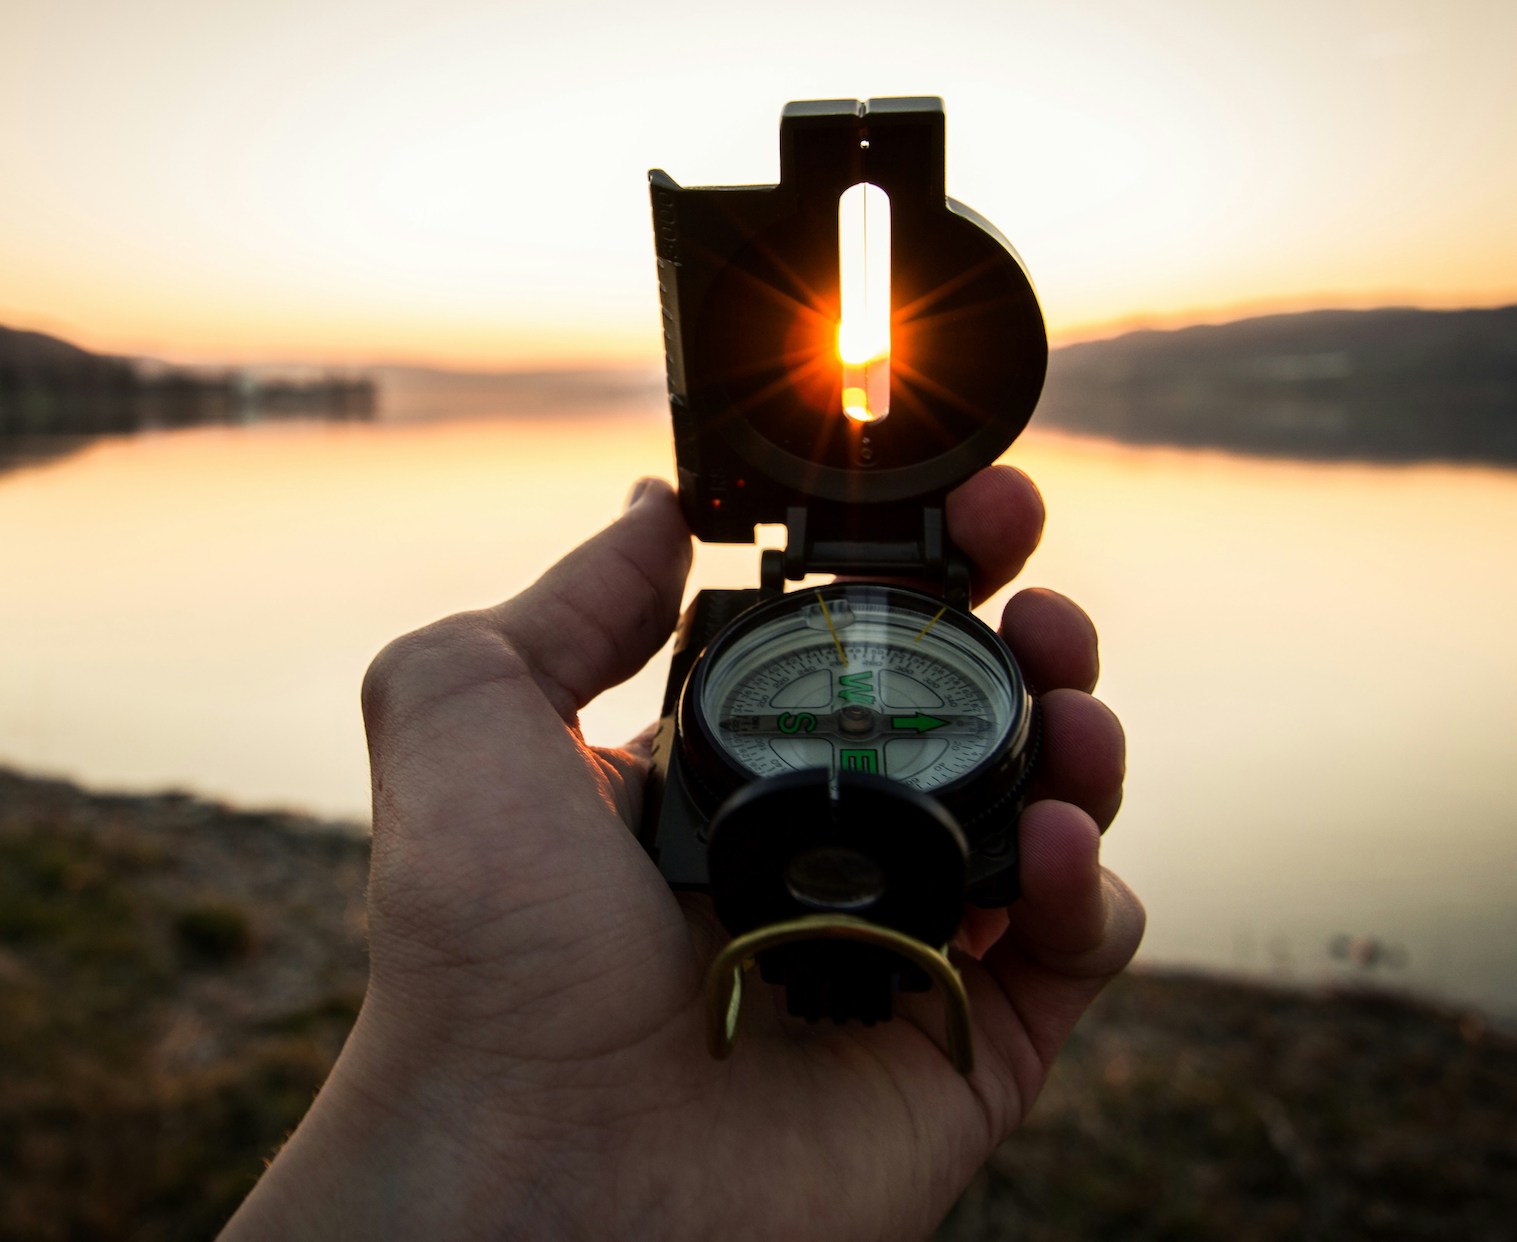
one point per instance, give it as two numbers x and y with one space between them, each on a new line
614 362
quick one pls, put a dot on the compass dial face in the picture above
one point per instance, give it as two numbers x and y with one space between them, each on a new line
864 678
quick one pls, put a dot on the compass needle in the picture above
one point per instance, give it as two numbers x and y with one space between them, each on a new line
922 633
833 630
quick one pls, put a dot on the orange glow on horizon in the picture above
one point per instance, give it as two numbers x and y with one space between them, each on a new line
244 337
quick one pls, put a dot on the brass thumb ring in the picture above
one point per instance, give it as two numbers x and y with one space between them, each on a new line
724 981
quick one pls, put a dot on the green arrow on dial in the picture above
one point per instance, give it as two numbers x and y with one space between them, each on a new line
920 723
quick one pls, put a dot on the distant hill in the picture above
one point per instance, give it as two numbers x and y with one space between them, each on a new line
1395 384
37 351
50 388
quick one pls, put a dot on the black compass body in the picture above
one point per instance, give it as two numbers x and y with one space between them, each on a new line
853 753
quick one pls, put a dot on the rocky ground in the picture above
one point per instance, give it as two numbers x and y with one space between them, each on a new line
176 976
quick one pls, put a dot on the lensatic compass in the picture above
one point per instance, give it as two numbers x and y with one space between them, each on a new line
841 767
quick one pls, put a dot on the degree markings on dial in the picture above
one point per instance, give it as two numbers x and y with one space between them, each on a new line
891 726
958 693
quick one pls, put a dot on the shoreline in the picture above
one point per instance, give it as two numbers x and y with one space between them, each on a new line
177 975
173 807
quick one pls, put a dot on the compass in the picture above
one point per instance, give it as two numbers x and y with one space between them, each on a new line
841 767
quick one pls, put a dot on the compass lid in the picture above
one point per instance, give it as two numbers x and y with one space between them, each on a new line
749 279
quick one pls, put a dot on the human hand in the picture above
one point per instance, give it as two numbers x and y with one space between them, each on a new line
530 1057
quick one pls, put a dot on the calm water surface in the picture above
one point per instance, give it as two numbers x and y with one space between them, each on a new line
1315 663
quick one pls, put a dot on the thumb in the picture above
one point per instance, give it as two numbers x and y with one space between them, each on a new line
602 612
497 839
466 694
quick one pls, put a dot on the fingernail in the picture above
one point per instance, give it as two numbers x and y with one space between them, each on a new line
639 490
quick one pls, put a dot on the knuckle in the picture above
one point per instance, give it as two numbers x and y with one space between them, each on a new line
428 663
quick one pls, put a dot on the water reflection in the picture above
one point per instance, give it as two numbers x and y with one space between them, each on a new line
1313 661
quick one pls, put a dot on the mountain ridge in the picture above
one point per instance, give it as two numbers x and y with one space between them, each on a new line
1394 383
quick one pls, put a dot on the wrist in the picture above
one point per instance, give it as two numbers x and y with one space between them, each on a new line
399 1144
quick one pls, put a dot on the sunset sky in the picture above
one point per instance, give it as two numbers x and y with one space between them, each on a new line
464 184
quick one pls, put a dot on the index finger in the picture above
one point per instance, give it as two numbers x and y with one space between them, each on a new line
996 519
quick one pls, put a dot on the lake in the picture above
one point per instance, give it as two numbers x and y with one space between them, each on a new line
1314 662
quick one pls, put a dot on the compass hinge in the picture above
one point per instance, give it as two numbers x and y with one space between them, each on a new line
920 551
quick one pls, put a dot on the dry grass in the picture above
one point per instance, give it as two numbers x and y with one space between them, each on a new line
175 981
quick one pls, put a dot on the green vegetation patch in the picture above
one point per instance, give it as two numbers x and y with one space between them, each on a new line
58 892
153 1050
